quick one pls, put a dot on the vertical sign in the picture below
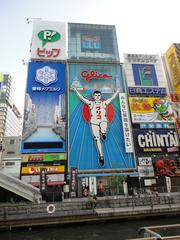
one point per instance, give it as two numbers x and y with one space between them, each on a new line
126 123
74 183
45 109
43 179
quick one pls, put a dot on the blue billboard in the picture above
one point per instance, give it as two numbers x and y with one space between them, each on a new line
96 140
144 75
45 109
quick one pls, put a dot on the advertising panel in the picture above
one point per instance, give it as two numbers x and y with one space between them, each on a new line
43 179
145 161
175 97
74 182
144 75
147 91
45 109
95 130
146 171
48 41
44 157
126 123
35 170
146 109
173 65
52 179
144 70
167 167
155 141
90 41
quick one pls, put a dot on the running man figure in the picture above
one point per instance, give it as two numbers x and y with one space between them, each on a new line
98 118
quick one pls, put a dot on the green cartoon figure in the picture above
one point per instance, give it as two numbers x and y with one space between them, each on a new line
162 107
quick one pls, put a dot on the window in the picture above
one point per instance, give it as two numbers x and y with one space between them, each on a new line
11 152
10 163
11 141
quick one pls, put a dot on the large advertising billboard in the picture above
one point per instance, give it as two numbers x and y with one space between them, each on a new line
45 109
144 70
175 97
48 41
155 141
173 65
96 141
150 109
90 41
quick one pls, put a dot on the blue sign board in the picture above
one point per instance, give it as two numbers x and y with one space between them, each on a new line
144 75
45 109
147 91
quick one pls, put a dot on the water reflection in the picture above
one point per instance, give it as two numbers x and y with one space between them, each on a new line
120 229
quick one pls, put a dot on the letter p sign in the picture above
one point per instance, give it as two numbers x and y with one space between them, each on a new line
48 36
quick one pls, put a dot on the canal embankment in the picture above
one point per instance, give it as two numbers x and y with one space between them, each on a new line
21 215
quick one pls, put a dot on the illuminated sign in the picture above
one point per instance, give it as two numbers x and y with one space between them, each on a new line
45 109
144 70
96 127
126 123
48 41
147 91
146 171
48 36
172 59
93 75
91 42
145 161
46 75
155 141
144 75
144 109
52 179
37 169
43 157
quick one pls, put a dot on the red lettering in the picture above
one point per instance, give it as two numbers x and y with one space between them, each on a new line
93 74
98 112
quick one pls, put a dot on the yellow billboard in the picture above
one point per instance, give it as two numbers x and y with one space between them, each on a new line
36 169
151 109
173 64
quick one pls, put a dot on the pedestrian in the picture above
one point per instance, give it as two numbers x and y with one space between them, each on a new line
94 201
101 188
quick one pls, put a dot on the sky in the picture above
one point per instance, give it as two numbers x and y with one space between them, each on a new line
142 27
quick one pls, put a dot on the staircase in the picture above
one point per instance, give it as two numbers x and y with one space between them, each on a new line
20 188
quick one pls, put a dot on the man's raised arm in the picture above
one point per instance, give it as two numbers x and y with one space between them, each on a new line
85 100
109 100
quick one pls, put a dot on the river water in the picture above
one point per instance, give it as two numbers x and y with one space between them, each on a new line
117 230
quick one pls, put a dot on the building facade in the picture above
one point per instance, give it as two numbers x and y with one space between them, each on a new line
89 119
10 117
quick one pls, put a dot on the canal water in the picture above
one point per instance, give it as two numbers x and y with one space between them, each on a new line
117 230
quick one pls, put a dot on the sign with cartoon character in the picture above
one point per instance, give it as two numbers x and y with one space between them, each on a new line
96 138
146 109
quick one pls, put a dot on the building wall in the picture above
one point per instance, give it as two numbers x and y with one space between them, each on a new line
10 118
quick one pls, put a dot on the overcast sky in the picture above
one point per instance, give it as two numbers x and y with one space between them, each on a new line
142 26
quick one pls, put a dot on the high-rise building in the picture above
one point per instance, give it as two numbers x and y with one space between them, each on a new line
10 117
